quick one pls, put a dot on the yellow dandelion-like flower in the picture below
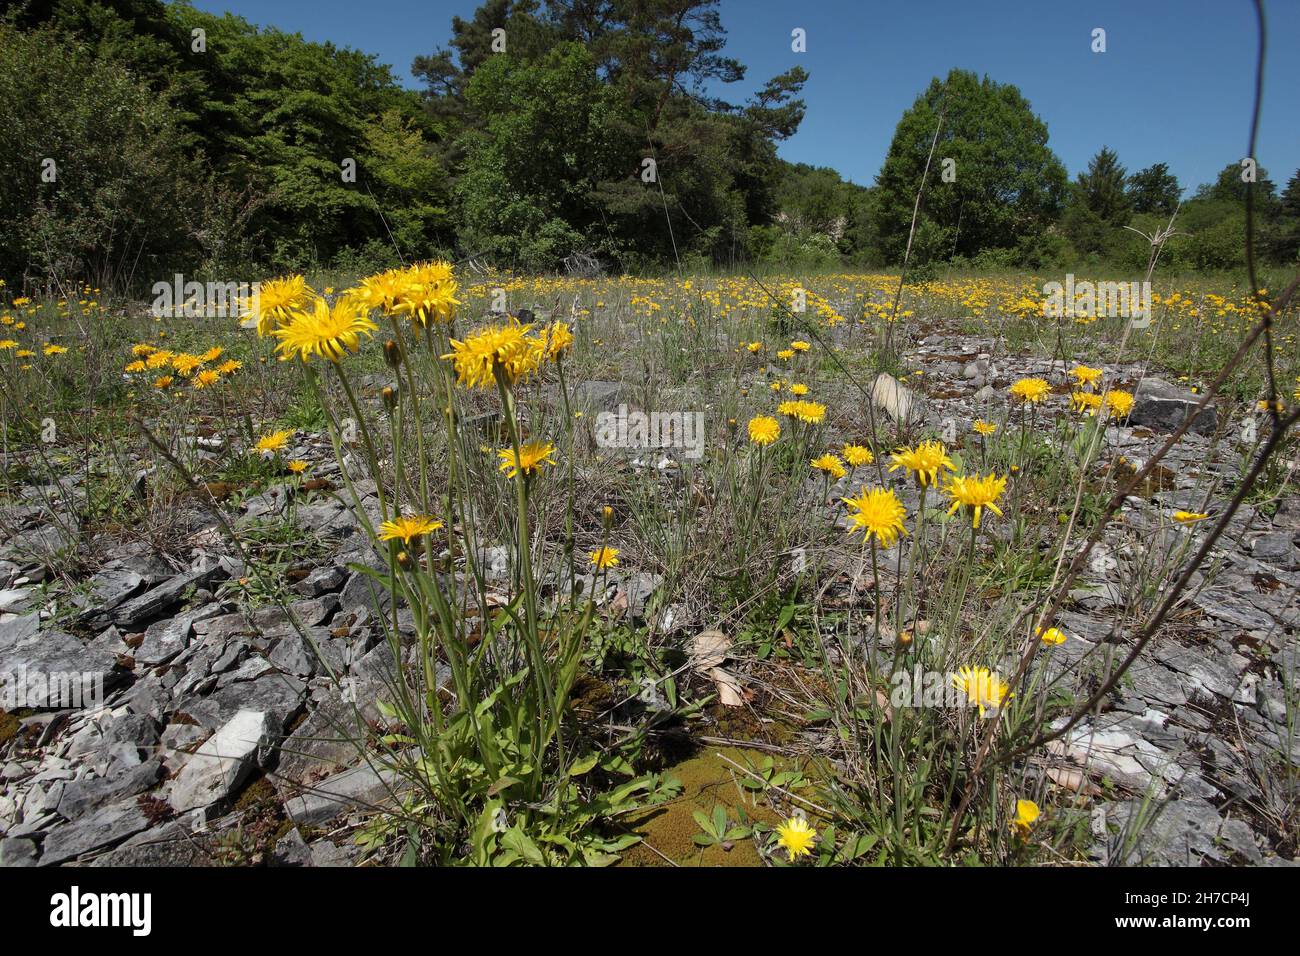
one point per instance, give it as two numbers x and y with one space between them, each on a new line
159 359
330 331
430 293
603 558
297 466
763 430
554 341
276 302
830 465
1189 517
976 493
785 354
382 291
754 346
163 381
142 350
798 388
268 445
230 367
800 346
1086 376
532 455
1088 402
185 363
52 349
1052 636
212 354
923 461
982 687
408 527
984 428
206 378
796 837
877 512
1118 403
857 455
1032 390
1026 813
130 368
503 348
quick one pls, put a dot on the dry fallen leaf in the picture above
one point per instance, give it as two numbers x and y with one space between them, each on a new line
1073 780
729 693
709 649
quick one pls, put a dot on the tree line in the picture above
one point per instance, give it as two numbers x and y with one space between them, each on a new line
143 138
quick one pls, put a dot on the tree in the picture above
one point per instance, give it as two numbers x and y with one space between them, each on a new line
1154 190
1007 184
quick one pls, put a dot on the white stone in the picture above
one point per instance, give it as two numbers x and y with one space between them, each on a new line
222 762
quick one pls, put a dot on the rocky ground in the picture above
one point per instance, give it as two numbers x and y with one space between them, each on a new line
221 737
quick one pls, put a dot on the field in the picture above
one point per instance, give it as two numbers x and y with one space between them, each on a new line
453 566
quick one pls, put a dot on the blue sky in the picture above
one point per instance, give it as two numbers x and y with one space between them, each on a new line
1174 84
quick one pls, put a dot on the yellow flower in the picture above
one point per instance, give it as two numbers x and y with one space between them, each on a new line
977 494
185 363
212 354
54 349
877 512
809 412
268 445
142 350
754 346
408 527
764 430
382 291
276 301
1118 404
1085 402
554 342
532 455
1052 636
981 687
800 346
785 354
163 381
205 378
798 388
330 331
1026 813
604 558
1085 375
924 461
503 348
230 367
984 428
1189 517
796 837
830 465
1030 389
6 344
160 358
131 367
430 293
297 466
857 456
